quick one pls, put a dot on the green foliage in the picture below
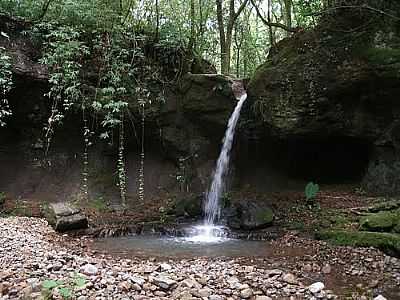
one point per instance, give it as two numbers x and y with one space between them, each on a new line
63 53
5 83
311 191
65 289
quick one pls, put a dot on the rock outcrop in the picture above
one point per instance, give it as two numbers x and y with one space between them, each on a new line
341 79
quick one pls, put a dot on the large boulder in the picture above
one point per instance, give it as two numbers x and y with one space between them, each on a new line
65 217
249 215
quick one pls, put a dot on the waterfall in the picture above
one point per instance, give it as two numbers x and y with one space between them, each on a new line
212 207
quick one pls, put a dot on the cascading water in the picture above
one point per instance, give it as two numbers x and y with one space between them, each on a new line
209 232
212 208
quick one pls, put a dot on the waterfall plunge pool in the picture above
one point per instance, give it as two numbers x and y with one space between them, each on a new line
193 241
181 247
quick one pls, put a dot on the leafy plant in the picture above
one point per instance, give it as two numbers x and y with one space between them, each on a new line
311 191
65 289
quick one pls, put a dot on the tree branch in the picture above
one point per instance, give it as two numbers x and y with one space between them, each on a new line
241 7
279 25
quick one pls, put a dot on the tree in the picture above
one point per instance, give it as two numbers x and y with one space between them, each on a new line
226 32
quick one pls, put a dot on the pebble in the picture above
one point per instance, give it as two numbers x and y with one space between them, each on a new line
316 287
246 293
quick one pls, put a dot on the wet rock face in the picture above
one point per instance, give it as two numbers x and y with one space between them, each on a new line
311 86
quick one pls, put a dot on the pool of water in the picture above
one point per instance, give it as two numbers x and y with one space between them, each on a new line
181 247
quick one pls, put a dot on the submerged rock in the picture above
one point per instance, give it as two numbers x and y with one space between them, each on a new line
64 217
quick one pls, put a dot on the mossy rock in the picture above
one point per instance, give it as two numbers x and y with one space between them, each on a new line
387 242
380 222
255 215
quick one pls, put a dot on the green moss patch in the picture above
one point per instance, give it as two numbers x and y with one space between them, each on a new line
387 242
266 216
381 222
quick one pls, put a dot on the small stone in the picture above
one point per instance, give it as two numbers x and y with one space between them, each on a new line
164 282
307 268
160 294
215 297
290 278
124 286
138 280
316 287
246 293
326 269
263 298
89 270
165 267
204 292
273 272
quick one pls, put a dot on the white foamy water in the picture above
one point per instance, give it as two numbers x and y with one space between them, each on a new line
212 208
207 234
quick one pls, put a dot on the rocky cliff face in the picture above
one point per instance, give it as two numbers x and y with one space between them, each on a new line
182 135
338 83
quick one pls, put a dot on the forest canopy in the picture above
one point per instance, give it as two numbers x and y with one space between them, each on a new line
234 35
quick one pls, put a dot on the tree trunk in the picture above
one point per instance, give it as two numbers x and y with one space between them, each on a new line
192 27
288 15
226 38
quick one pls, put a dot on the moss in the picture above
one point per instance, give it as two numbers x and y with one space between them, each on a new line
388 242
266 216
382 221
383 56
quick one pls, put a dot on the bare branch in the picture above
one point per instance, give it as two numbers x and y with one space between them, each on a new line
279 25
241 7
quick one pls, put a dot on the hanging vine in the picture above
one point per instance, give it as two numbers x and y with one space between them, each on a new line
121 162
86 139
63 54
5 85
142 155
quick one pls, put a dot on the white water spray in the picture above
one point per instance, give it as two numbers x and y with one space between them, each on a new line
212 208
